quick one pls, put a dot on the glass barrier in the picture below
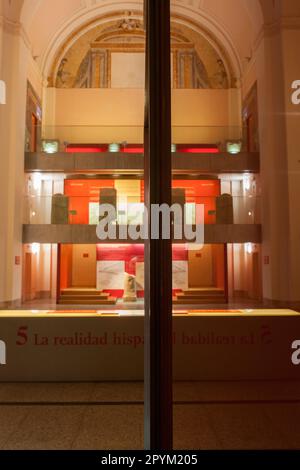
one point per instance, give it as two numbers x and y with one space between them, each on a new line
74 210
97 139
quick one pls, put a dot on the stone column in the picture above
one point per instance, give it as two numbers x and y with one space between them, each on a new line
277 60
13 66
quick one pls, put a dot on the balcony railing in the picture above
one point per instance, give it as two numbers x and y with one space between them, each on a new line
84 210
128 139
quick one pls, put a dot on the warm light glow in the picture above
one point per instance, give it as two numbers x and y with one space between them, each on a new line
37 181
199 150
35 248
249 248
247 182
85 149
132 150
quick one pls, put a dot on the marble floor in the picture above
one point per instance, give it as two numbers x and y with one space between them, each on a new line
50 304
207 415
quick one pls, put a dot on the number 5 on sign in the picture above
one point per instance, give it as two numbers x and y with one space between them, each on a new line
22 335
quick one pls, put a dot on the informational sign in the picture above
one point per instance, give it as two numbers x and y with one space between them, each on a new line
211 345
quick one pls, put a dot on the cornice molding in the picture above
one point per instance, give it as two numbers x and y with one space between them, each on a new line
272 29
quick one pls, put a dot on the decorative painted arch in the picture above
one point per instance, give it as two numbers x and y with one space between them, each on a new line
212 67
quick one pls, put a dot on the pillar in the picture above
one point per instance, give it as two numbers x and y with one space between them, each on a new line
158 253
13 69
277 59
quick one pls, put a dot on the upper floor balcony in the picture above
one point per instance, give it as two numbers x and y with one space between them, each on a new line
119 150
73 219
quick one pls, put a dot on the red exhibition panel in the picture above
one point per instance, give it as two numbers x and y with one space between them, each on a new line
201 192
81 193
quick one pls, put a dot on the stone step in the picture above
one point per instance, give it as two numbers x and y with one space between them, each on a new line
84 297
204 292
198 301
81 291
200 298
108 301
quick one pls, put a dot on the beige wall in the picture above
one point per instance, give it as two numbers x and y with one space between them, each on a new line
118 114
84 266
201 267
39 271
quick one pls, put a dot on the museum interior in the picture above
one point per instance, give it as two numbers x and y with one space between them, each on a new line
72 138
78 109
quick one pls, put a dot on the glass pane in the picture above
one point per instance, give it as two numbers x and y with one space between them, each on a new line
73 329
234 382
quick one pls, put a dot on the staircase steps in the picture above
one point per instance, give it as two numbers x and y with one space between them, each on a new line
82 296
204 291
109 301
200 296
85 297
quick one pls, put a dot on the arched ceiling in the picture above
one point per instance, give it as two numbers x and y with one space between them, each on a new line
108 34
49 23
235 23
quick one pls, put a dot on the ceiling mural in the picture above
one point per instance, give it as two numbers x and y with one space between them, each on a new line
85 61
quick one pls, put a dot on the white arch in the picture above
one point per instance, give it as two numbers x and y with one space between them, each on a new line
187 15
78 21
214 29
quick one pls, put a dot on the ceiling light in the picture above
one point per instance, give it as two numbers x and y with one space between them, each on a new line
234 147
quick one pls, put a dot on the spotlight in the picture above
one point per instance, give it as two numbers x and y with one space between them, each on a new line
234 147
50 146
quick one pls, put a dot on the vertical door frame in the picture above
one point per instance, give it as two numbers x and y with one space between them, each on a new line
158 253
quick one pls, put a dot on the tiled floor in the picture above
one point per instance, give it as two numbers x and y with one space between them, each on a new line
207 415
